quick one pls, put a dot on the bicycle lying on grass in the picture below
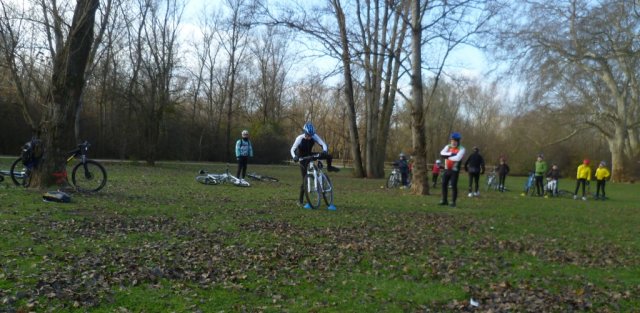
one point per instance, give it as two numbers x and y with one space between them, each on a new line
86 176
317 185
258 177
207 178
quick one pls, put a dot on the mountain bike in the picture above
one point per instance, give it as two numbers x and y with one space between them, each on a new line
395 178
207 178
86 176
492 181
258 177
529 185
317 185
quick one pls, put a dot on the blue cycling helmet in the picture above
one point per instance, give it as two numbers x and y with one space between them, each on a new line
309 129
456 136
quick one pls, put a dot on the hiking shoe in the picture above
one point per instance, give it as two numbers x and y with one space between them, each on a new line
453 204
584 198
470 194
477 194
333 169
575 197
307 206
332 208
443 203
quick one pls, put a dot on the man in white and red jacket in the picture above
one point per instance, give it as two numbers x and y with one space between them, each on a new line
453 154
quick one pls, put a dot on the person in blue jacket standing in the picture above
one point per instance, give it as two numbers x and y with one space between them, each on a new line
244 150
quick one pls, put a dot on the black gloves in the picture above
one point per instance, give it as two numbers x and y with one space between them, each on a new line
296 158
324 153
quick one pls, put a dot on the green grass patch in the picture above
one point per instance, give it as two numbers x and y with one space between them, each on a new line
156 240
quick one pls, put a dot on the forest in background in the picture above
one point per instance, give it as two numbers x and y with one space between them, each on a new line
153 93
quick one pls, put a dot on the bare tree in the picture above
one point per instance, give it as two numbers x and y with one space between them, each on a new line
70 56
583 57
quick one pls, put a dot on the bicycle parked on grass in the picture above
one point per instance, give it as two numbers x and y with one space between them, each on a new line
529 185
317 185
492 181
395 178
258 177
207 178
86 176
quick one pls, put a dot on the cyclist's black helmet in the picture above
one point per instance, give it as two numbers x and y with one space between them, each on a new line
309 129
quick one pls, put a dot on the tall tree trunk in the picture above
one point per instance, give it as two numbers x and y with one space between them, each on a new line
57 129
420 183
358 170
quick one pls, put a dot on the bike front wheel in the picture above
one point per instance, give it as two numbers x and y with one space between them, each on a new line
312 192
393 181
20 174
89 176
327 189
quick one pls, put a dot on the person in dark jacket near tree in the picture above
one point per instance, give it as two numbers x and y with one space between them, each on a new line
502 170
474 166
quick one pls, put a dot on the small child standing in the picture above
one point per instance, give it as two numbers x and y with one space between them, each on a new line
435 172
583 177
502 170
602 174
552 177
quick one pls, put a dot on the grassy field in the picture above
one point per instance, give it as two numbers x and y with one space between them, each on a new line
154 240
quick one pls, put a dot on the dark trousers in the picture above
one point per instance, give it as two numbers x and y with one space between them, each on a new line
600 185
474 178
501 179
434 178
580 182
450 176
539 185
242 166
404 176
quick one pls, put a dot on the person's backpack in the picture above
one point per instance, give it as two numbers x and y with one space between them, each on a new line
56 196
31 152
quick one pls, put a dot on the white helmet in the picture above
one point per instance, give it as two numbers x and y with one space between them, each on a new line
245 133
438 161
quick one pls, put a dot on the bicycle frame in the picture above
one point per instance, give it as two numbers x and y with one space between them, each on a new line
317 183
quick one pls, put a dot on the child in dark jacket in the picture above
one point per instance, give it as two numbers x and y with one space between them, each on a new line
552 181
502 170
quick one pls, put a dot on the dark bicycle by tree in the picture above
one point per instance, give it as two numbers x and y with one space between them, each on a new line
86 175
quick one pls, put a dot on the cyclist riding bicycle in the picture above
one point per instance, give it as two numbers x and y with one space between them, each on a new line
302 147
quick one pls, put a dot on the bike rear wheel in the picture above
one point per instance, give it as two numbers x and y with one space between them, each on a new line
89 176
327 190
205 179
312 192
20 174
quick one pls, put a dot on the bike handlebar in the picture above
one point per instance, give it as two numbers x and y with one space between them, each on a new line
312 157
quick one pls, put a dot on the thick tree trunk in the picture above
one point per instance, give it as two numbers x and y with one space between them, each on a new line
619 172
57 129
420 183
358 170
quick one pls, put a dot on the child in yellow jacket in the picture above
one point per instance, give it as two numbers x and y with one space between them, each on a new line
583 178
602 174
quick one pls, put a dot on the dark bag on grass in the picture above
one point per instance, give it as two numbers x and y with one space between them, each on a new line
56 196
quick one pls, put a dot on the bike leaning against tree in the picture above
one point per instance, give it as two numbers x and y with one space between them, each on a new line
317 185
86 176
